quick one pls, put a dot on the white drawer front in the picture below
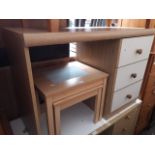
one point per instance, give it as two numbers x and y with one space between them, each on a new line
122 96
135 49
130 74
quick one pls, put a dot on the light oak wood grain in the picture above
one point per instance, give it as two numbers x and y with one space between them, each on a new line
97 54
36 38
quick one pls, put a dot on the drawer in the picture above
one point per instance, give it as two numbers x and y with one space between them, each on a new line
135 49
125 95
130 74
126 125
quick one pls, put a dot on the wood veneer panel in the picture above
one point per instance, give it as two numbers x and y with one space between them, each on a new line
40 38
102 55
36 39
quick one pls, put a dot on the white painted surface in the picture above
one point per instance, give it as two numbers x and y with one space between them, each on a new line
128 53
120 99
124 78
78 120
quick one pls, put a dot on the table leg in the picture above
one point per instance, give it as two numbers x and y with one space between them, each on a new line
57 119
97 105
103 99
50 117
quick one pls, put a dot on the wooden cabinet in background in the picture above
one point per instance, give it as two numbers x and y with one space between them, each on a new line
148 87
51 25
132 23
151 23
148 97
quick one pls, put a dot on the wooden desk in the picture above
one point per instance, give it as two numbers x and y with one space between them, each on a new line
104 42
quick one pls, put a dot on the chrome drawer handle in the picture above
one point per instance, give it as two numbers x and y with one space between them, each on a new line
134 75
139 51
129 96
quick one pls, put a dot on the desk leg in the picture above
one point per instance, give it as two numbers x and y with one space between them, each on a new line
97 105
50 118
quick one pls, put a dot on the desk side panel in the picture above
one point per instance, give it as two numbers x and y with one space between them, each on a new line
102 55
22 74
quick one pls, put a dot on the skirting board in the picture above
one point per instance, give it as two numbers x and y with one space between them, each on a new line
77 120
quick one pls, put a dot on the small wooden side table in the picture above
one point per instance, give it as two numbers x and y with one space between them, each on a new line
64 85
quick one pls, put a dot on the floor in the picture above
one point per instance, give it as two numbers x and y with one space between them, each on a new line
76 120
69 122
19 128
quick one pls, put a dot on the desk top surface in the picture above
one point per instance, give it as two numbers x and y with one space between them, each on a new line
33 37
